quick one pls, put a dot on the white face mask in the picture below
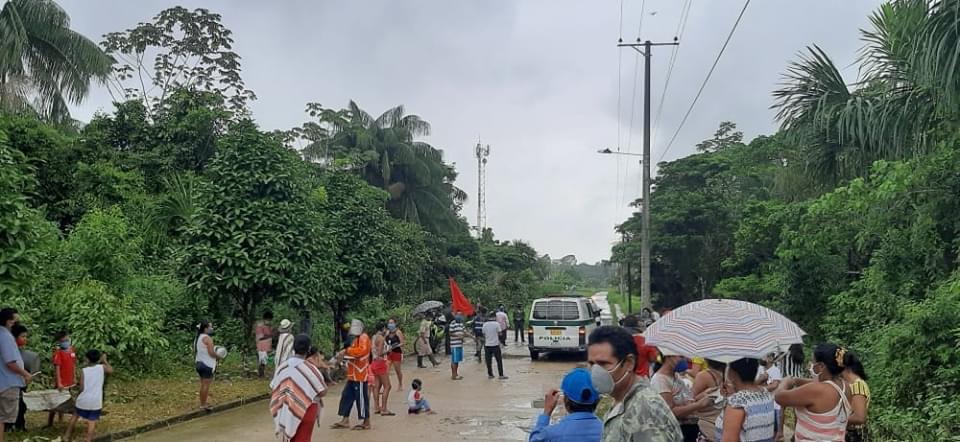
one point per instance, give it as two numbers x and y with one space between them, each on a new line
813 371
602 378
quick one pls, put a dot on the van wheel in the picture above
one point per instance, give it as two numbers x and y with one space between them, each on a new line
534 355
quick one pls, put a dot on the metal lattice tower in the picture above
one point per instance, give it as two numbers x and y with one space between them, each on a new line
482 153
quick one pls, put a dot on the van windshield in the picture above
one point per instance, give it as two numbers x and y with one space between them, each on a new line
556 310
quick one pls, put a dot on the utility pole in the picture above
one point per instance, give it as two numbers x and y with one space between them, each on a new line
647 52
629 290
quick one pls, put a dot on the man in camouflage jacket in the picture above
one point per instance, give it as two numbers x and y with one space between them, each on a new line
638 414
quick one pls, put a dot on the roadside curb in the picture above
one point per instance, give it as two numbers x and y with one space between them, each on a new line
163 423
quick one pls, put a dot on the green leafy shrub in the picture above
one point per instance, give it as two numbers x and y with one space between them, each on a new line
100 318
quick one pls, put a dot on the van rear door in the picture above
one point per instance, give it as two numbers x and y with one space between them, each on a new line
556 324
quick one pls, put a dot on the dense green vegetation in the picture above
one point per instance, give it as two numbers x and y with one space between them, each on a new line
175 206
846 220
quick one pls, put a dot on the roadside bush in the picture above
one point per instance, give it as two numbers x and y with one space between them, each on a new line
916 368
100 318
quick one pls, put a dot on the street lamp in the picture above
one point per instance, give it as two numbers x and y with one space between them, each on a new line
607 151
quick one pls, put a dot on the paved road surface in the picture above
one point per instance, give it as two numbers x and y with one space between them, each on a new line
606 312
474 408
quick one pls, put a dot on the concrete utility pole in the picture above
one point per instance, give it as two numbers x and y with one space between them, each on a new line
645 298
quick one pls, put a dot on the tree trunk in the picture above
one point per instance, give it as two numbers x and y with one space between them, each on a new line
338 320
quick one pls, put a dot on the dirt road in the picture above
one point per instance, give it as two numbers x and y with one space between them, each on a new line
475 408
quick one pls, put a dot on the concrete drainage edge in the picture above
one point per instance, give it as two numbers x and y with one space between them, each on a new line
163 423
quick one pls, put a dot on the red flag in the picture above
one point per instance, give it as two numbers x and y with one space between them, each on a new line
458 302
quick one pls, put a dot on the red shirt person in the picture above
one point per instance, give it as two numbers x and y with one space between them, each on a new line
645 353
64 362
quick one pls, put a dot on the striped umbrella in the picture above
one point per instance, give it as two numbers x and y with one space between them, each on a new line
723 330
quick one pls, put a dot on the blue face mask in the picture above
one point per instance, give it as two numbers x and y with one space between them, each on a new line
65 345
391 327
681 366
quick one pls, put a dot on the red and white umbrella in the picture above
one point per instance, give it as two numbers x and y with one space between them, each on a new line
723 330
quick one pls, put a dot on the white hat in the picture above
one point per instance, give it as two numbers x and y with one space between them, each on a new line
356 327
285 325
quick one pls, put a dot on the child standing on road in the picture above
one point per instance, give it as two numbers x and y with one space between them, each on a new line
64 370
416 402
90 400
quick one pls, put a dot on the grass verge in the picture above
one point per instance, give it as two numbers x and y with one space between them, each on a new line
130 402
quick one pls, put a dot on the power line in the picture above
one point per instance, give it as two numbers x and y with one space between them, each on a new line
633 105
616 193
681 25
705 80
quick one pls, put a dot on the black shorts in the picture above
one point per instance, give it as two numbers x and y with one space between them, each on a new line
204 371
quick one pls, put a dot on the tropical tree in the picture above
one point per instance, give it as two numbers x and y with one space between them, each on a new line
191 50
257 234
44 65
906 91
386 153
377 256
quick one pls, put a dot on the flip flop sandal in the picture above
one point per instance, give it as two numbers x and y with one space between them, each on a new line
339 426
389 413
360 427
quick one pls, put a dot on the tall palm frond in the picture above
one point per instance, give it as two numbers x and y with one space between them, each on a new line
410 125
890 44
36 43
359 116
936 56
812 89
176 209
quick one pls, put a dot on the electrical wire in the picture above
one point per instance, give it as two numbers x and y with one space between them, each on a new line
616 201
681 25
705 80
633 104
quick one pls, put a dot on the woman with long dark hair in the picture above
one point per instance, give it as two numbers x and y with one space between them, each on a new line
821 404
859 396
206 360
792 364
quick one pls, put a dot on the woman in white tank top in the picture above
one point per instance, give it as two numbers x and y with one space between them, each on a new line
821 404
206 359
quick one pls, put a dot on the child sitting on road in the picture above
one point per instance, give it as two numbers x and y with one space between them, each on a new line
416 402
90 400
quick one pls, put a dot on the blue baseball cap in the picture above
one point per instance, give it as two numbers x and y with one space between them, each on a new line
578 387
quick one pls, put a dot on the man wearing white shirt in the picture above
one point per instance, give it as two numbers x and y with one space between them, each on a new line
502 320
491 345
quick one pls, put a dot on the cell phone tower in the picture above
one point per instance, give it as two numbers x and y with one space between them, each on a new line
482 153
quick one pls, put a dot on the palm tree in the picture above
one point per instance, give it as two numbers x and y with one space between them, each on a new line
907 89
43 64
175 211
390 157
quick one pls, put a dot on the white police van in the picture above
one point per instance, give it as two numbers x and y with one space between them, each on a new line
561 324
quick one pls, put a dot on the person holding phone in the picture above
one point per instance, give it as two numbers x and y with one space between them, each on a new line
580 400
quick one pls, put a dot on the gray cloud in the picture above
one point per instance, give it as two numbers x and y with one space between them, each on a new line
535 79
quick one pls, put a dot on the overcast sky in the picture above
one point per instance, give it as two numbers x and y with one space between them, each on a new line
537 80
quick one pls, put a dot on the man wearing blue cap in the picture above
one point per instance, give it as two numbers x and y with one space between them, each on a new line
580 399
